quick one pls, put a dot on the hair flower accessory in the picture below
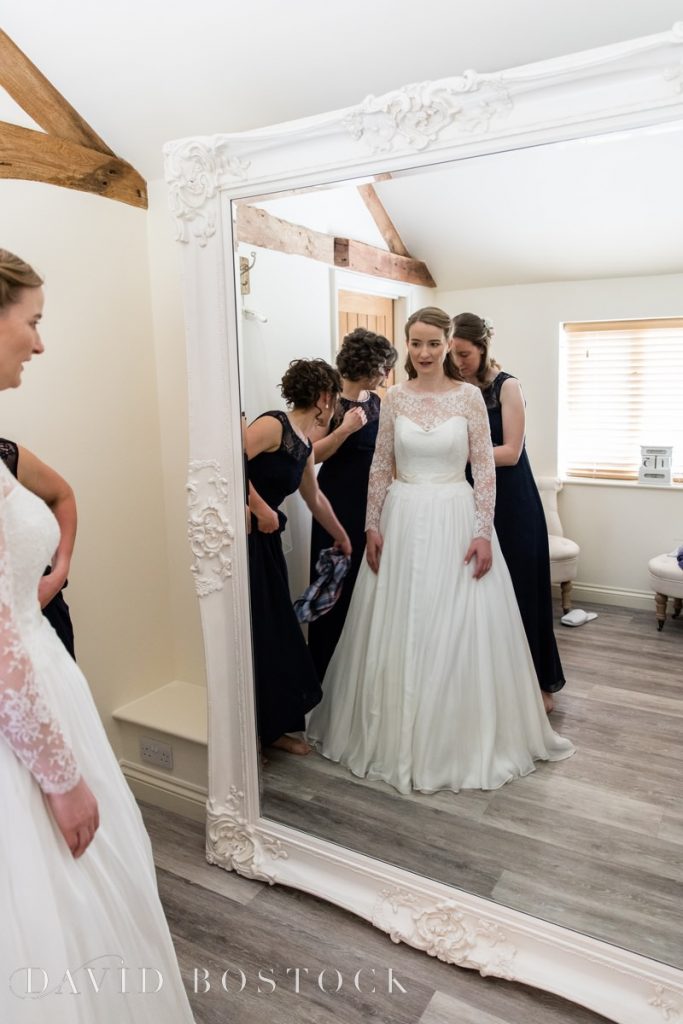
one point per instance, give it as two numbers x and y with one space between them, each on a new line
488 326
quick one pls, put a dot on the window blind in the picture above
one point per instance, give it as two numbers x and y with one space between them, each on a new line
623 388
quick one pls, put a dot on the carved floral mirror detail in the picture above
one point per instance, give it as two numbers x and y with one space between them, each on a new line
618 89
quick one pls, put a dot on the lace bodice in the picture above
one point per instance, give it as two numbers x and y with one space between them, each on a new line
28 537
429 438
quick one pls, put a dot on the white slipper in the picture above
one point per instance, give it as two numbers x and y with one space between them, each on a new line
577 617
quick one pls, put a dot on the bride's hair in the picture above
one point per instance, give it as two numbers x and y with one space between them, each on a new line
15 274
435 317
478 332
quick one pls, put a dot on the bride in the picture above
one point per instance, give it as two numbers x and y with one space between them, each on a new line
83 937
432 685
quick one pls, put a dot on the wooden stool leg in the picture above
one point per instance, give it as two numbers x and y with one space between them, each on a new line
660 605
678 603
566 588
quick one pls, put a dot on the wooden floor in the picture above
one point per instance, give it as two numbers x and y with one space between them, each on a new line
593 843
221 922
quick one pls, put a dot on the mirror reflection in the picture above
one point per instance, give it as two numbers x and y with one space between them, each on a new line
402 345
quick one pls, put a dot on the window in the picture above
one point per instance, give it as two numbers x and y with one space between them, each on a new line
622 387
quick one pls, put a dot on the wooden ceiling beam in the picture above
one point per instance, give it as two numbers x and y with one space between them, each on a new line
36 95
258 227
368 259
382 219
34 156
67 152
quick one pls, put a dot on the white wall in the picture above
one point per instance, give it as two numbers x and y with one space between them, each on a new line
295 294
185 640
619 528
88 407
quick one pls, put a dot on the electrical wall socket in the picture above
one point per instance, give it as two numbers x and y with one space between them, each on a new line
156 752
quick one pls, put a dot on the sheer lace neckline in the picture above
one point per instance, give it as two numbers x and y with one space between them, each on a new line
430 394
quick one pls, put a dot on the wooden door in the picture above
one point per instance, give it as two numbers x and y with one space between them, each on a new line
374 312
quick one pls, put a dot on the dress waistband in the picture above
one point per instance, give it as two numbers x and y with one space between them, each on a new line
459 483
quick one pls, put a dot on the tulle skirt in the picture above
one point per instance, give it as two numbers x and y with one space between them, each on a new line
60 916
432 685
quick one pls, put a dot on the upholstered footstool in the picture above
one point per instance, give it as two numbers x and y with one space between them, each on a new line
666 579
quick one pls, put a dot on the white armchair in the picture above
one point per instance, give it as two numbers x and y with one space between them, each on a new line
564 553
666 579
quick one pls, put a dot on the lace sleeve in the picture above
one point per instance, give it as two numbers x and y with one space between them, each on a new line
483 467
382 468
26 722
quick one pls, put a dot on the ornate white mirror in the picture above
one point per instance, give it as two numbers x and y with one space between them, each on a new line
549 193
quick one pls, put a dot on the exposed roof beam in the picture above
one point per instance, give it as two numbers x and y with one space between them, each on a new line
258 227
382 220
38 97
68 152
34 156
368 259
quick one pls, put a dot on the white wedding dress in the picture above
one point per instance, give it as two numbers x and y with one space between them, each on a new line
432 685
58 915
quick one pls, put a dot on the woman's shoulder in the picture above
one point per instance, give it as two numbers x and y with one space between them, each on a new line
276 414
273 424
502 376
393 392
470 394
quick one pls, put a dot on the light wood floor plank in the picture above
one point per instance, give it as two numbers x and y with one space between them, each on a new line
603 827
280 928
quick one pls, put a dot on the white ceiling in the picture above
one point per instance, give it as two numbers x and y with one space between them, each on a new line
607 206
142 72
602 207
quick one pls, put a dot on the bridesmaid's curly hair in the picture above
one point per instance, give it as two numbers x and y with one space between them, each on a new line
478 332
15 274
306 379
365 354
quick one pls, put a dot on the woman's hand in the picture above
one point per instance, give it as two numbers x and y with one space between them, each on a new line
480 550
374 542
267 520
76 816
49 587
353 420
343 544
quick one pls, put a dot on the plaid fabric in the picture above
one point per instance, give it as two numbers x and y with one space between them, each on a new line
331 567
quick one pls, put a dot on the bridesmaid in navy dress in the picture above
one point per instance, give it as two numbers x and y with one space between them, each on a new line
280 460
345 450
59 497
519 520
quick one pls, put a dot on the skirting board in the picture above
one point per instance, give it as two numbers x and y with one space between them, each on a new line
596 594
165 791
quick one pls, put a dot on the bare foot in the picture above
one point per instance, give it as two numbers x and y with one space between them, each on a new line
292 745
548 702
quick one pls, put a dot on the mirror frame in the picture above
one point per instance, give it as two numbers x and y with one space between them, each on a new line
620 87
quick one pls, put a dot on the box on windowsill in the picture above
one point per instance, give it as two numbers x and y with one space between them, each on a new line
655 465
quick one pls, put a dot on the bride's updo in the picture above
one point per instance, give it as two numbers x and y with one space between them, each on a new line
15 274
